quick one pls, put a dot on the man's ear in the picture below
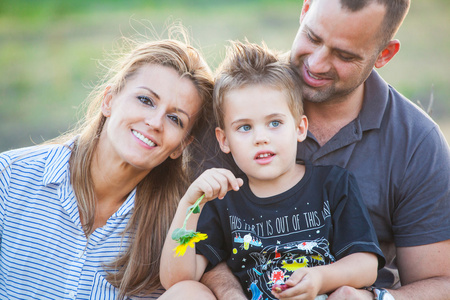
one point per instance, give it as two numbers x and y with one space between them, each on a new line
388 53
305 9
222 139
302 129
107 102
179 150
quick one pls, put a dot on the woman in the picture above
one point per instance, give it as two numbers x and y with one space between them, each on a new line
86 216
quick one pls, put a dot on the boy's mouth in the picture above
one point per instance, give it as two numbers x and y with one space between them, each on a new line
263 155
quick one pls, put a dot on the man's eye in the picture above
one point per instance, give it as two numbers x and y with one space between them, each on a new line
274 124
345 57
146 100
176 120
244 128
313 40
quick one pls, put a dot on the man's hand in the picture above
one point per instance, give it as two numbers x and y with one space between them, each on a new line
349 293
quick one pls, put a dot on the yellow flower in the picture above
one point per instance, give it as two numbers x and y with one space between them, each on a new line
189 240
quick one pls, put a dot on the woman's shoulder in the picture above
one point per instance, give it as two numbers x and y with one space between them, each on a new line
38 154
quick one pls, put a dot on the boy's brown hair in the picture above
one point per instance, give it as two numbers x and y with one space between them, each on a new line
249 64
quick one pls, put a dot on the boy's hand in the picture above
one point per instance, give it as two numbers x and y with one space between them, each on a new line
214 183
304 283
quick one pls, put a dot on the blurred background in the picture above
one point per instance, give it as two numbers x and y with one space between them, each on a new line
51 51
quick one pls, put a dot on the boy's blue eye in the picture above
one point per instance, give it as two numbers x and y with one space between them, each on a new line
244 128
146 100
274 124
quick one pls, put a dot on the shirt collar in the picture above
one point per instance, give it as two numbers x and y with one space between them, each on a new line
376 95
57 165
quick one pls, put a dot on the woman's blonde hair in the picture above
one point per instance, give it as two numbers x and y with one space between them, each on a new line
137 270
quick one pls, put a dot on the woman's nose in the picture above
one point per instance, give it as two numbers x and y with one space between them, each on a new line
155 120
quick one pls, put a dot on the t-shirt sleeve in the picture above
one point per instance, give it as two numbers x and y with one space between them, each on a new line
422 211
212 223
353 230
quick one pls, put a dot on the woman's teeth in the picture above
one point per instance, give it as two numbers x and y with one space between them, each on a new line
143 138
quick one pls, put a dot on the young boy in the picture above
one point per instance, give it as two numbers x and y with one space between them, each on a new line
287 228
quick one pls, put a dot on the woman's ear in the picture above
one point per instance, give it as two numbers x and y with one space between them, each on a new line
302 129
388 53
179 150
107 102
222 139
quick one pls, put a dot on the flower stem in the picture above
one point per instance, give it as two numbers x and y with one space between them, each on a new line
192 209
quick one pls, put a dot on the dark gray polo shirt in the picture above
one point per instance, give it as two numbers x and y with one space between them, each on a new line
402 164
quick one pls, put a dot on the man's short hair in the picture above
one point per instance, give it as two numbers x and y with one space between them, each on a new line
396 11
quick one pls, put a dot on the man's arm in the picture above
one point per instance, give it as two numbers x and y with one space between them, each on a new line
424 272
223 283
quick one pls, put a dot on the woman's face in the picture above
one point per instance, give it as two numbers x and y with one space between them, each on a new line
150 119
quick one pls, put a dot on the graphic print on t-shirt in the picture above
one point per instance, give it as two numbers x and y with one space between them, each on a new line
270 251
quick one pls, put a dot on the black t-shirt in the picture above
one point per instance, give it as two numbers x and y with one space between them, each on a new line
264 240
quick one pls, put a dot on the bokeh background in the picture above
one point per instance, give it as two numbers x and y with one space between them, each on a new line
51 51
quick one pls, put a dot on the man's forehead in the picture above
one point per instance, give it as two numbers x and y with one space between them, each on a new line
345 29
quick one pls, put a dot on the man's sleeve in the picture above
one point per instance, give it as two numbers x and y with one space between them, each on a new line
422 207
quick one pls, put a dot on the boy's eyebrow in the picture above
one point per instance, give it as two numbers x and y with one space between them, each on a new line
177 109
271 116
318 38
239 121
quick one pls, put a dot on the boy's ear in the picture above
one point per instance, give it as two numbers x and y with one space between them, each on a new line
305 9
222 139
179 150
388 53
107 102
302 129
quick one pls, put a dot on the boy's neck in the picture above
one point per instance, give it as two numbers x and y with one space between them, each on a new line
276 186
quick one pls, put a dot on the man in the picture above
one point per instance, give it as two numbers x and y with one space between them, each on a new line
399 156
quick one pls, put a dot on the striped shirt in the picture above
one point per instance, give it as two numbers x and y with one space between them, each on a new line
44 252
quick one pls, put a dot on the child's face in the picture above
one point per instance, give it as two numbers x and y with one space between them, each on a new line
260 132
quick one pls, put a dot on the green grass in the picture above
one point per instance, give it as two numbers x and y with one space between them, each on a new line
49 50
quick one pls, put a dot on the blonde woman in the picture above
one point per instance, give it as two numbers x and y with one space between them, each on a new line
85 216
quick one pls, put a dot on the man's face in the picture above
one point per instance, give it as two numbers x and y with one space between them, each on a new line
335 49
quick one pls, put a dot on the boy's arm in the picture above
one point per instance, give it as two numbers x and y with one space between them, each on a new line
190 266
213 183
223 283
356 270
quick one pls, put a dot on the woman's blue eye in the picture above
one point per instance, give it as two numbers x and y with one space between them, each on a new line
244 128
146 100
274 124
176 120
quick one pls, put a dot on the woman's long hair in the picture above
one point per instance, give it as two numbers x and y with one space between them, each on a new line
136 271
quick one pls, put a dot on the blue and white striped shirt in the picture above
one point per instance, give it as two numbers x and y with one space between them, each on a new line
44 252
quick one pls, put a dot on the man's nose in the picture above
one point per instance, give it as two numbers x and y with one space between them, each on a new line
318 61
